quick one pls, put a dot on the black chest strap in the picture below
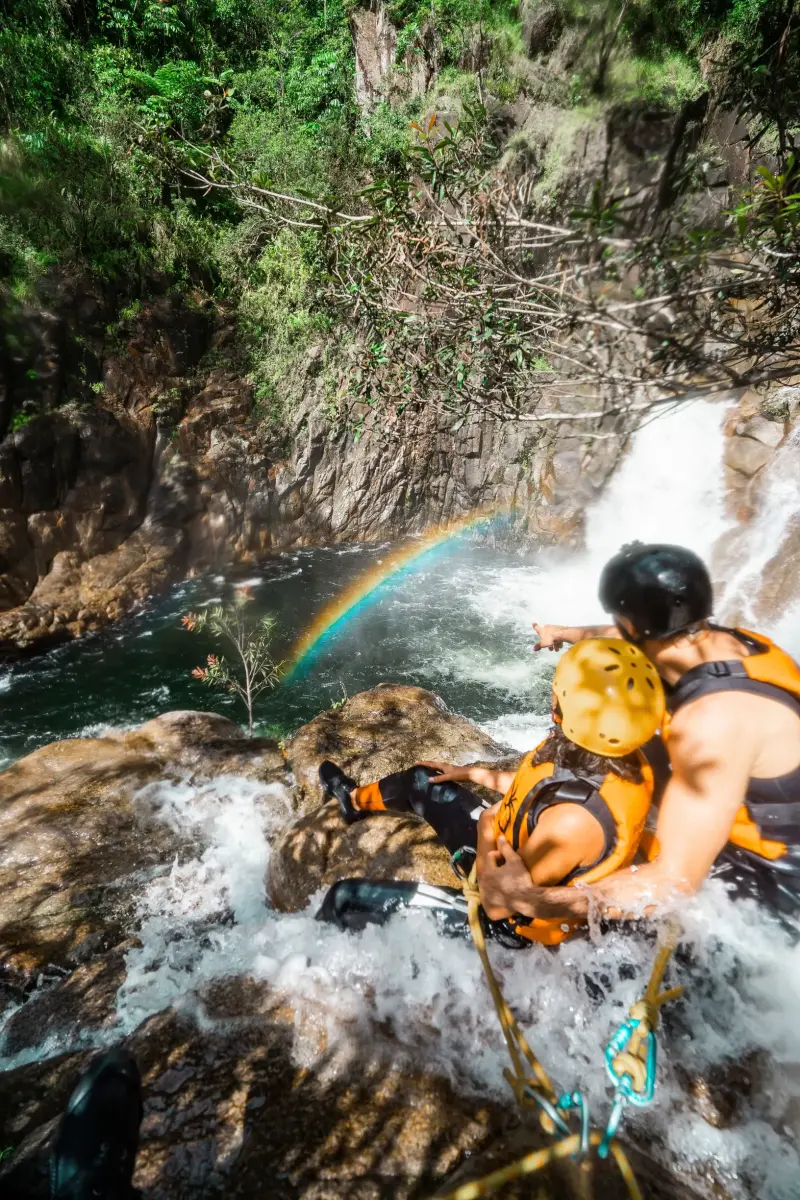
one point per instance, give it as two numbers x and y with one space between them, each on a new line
729 675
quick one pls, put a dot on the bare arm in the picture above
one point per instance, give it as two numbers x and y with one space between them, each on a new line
553 637
487 846
712 748
488 777
565 837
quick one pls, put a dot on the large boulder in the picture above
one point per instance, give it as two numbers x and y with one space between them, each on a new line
386 729
319 849
76 828
228 1112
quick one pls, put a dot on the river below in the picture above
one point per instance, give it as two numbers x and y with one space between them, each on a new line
438 625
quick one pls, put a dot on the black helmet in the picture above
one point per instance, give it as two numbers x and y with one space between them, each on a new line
661 590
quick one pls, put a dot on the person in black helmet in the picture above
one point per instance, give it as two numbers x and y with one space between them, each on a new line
731 805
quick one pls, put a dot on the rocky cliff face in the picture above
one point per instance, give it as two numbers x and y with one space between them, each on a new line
758 559
166 470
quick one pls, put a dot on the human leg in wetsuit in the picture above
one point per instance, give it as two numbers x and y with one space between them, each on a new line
451 810
774 885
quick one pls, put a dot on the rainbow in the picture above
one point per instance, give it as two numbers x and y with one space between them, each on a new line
366 590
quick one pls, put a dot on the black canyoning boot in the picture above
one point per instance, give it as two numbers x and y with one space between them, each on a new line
339 785
95 1150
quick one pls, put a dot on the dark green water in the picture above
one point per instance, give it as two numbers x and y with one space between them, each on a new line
449 624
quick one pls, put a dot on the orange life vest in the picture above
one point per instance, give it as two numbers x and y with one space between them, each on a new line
620 806
768 822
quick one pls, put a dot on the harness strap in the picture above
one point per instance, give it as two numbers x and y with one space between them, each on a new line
729 675
558 777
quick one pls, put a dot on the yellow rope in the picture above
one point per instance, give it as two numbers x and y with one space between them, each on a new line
518 1048
537 1161
632 1061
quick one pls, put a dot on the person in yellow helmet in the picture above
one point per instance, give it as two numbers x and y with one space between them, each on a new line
575 809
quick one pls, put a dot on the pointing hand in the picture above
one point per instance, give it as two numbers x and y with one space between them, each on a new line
549 637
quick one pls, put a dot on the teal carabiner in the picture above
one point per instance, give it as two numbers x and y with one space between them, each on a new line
576 1100
550 1109
616 1116
623 1083
624 1091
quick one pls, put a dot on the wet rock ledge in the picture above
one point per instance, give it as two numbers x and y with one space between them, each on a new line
232 1105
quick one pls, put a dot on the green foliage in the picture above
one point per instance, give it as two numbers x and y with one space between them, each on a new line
251 670
106 107
773 204
454 23
670 76
20 420
685 24
278 314
102 107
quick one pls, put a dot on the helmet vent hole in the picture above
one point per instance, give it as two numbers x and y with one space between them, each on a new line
630 684
613 651
613 741
613 667
650 684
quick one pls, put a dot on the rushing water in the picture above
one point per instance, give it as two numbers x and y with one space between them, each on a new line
459 624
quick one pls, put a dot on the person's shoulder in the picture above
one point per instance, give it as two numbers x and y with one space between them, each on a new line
717 710
565 822
719 721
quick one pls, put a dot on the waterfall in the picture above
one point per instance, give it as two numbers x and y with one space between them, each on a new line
670 487
752 552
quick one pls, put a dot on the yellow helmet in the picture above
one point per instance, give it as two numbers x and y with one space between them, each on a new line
610 696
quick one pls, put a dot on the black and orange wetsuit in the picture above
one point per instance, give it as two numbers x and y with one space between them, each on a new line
619 805
762 858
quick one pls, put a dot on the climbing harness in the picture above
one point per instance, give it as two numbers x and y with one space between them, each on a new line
630 1061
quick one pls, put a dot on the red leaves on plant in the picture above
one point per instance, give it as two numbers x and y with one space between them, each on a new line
189 621
200 673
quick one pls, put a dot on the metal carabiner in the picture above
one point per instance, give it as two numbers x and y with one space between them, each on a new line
623 1083
462 862
576 1100
550 1109
617 1113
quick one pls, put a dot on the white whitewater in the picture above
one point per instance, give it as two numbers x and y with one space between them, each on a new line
668 488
